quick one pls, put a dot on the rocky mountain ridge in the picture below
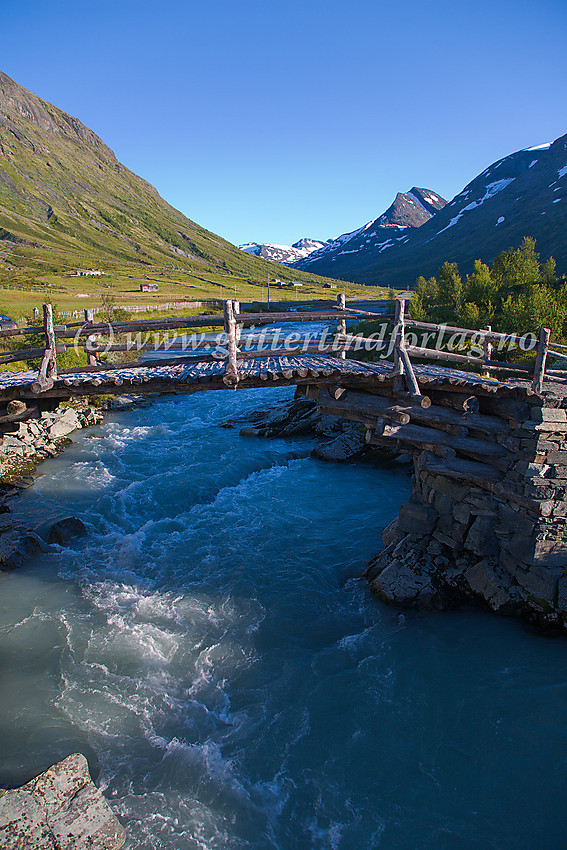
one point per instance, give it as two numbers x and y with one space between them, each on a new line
523 194
285 254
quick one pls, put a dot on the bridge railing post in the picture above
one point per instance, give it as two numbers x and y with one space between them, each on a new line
48 368
399 332
487 352
341 328
236 311
231 362
91 358
50 343
541 357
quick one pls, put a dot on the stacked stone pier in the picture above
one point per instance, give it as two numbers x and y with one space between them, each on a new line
487 518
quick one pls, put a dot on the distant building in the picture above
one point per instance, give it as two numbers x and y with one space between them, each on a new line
88 272
329 286
295 283
6 323
149 287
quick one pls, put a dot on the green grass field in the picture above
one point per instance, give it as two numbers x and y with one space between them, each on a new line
22 290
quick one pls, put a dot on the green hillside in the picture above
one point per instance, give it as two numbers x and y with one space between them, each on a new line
67 203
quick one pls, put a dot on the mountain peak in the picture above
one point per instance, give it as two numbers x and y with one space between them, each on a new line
411 209
18 102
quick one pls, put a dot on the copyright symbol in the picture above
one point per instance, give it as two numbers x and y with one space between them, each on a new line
90 343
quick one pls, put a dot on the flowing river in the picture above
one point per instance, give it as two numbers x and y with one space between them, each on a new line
212 650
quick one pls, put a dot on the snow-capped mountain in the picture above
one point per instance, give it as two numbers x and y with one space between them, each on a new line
409 210
523 194
284 254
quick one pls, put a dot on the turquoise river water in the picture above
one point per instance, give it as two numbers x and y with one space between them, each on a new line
212 650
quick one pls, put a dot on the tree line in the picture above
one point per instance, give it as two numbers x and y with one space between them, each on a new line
517 293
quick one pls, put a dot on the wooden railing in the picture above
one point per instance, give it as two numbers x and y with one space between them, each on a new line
87 335
486 336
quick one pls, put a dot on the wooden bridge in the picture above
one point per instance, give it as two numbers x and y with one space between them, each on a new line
237 360
404 404
488 512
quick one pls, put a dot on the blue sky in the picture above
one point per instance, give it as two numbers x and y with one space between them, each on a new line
270 121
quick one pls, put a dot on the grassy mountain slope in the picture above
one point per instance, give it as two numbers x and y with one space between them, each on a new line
66 203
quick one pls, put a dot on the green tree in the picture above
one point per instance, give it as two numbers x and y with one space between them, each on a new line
548 271
517 267
450 285
416 309
470 315
428 290
480 288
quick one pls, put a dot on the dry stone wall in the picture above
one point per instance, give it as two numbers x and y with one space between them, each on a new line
502 544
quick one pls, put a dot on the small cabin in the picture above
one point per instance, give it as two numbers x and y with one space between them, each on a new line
89 272
295 283
329 286
149 287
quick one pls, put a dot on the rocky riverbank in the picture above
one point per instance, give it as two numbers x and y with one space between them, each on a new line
24 444
32 436
338 439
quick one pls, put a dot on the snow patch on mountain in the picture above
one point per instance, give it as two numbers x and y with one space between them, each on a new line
491 190
543 147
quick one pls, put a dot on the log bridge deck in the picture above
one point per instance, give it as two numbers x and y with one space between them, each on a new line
462 420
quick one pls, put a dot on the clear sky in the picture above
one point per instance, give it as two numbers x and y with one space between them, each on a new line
267 121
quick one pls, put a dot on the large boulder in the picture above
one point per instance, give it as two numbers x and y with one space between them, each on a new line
61 808
64 424
60 529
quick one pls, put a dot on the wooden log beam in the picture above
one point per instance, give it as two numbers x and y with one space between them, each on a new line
43 382
92 356
311 316
150 346
50 342
487 352
413 386
338 392
506 408
18 411
433 354
27 354
341 326
422 401
398 367
360 409
132 326
379 437
420 436
493 336
458 401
